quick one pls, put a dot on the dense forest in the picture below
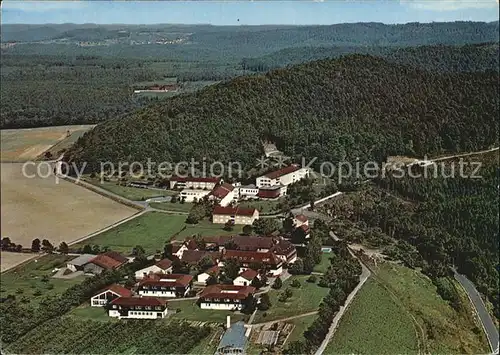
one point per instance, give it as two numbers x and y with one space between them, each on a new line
355 107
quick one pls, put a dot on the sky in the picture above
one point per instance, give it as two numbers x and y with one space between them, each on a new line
319 12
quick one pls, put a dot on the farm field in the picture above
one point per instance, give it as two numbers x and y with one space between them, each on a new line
446 330
305 299
33 280
70 335
29 143
374 323
152 230
41 208
10 259
190 311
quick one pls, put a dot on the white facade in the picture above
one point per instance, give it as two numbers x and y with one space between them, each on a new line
151 270
285 179
101 299
193 184
247 191
221 306
241 281
237 219
203 277
138 314
153 293
228 199
191 195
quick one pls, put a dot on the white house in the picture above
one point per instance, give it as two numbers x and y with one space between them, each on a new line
224 194
170 285
226 297
192 195
245 278
285 176
108 294
238 215
138 308
300 220
163 266
203 277
247 191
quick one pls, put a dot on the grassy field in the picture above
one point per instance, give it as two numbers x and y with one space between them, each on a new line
305 299
324 264
264 206
55 210
191 312
374 323
28 144
85 311
132 193
442 329
301 325
35 277
176 207
152 230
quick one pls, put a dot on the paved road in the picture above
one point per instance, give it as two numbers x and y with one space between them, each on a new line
365 274
488 325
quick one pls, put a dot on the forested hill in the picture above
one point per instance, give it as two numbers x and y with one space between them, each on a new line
469 57
353 107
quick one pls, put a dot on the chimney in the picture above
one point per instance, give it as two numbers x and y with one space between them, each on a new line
228 322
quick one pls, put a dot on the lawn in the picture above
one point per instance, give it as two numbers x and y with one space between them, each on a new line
374 324
305 299
445 330
26 279
150 230
131 193
301 325
324 263
169 206
85 311
264 206
191 312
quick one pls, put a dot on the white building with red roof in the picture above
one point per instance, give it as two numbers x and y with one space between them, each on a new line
207 183
170 285
193 195
108 294
237 215
138 308
300 220
245 278
226 297
163 266
284 176
204 276
224 194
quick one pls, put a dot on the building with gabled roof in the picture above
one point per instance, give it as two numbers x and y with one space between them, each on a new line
163 266
165 285
192 257
226 297
138 308
284 176
267 260
204 276
237 215
207 183
108 294
106 261
245 278
224 194
78 263
233 341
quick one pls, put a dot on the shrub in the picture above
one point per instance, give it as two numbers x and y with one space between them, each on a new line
312 279
295 283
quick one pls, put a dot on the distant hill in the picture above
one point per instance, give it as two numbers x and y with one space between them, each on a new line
469 57
353 107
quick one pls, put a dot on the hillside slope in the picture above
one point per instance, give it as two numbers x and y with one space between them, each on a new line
353 107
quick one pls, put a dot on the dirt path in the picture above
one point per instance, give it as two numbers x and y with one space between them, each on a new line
461 155
284 319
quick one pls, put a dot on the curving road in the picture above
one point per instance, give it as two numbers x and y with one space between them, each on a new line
489 327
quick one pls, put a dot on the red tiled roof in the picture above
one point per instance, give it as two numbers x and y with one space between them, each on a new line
301 217
106 262
249 274
252 243
221 191
217 291
284 171
305 228
284 247
268 193
193 256
213 270
195 179
119 290
164 264
252 256
117 256
234 211
139 301
179 280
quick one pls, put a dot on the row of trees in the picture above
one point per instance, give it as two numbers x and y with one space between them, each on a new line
36 246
